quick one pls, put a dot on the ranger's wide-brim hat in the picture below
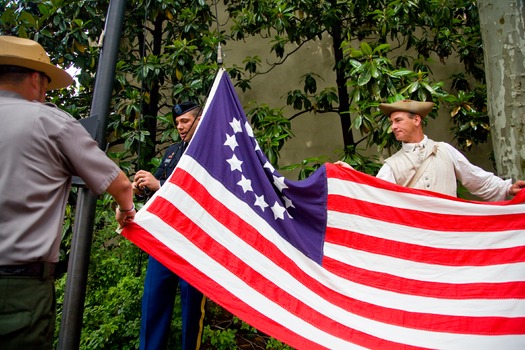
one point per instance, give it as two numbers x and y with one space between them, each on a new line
15 51
416 107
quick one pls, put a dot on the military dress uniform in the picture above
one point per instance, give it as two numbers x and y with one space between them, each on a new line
160 288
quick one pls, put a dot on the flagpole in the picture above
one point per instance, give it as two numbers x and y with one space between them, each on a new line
73 306
213 89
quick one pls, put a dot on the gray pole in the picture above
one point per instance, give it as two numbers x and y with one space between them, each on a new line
73 308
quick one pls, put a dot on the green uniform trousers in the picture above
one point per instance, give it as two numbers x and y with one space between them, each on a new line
27 313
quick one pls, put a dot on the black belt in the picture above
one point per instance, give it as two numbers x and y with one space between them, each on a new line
37 269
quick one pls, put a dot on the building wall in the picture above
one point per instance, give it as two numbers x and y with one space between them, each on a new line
320 134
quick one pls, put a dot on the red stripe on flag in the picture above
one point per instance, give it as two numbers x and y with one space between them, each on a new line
384 281
425 254
426 220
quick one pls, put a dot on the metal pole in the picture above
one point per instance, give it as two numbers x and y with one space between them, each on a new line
73 308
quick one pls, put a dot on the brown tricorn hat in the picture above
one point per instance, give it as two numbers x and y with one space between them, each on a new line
416 107
15 51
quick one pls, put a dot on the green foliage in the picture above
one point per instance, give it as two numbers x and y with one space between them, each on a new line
469 113
169 58
382 51
307 166
225 331
271 130
373 79
111 316
223 339
360 162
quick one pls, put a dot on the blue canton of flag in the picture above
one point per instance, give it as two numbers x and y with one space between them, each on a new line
225 145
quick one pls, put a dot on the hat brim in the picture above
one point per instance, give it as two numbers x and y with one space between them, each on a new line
420 108
59 77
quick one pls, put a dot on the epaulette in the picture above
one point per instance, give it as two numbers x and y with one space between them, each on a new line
50 104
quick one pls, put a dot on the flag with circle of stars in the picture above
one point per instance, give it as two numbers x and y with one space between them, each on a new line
336 261
297 210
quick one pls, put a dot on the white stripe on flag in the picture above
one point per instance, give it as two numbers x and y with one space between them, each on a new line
411 201
413 235
421 271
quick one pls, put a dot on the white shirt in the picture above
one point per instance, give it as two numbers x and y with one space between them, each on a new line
477 181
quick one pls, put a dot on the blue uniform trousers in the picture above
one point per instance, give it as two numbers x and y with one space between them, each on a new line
160 288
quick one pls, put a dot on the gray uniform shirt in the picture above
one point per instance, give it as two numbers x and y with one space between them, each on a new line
41 147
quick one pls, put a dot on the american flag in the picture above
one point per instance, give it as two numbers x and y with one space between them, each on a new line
341 260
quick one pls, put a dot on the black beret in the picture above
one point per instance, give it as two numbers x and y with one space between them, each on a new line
181 108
